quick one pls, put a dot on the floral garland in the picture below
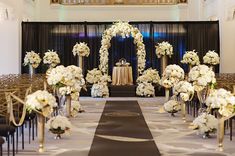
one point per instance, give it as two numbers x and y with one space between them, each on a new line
163 49
81 49
201 76
171 76
41 101
32 58
191 58
51 58
123 29
211 58
222 100
184 89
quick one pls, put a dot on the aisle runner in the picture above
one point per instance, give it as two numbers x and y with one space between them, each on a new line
122 131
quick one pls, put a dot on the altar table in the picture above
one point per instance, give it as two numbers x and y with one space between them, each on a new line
122 75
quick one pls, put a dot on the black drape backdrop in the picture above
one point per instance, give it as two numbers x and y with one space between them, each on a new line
62 36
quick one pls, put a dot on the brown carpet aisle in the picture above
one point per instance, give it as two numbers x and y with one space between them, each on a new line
122 131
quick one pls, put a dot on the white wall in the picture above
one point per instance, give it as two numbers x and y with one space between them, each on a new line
219 9
9 47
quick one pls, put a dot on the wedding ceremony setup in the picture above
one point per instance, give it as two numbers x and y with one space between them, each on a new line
117 78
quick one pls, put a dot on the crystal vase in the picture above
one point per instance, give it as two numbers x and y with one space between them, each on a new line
41 132
31 71
68 106
167 94
202 95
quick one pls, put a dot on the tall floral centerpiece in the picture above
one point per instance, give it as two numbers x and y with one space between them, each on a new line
51 59
185 91
145 82
224 102
203 78
81 50
205 124
171 76
100 89
211 58
43 103
163 50
32 60
59 125
191 58
69 80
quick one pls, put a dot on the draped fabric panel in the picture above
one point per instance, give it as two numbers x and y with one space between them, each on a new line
62 36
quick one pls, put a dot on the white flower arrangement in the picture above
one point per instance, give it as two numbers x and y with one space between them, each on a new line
75 108
164 48
32 58
172 75
81 49
59 124
211 58
222 100
68 79
99 90
104 79
51 58
205 123
150 75
145 89
123 29
172 106
93 76
191 58
41 101
184 89
201 76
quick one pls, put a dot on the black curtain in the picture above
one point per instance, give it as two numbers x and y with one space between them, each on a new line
62 36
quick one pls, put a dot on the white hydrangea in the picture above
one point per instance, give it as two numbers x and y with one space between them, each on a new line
205 123
191 58
32 58
51 58
123 29
172 106
184 89
172 75
164 48
42 101
81 49
150 75
211 58
99 90
223 100
145 89
60 123
75 107
68 79
93 76
201 76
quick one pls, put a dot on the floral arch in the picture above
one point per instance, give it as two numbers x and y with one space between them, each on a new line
123 29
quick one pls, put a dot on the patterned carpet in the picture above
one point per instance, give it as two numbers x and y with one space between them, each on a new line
172 136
